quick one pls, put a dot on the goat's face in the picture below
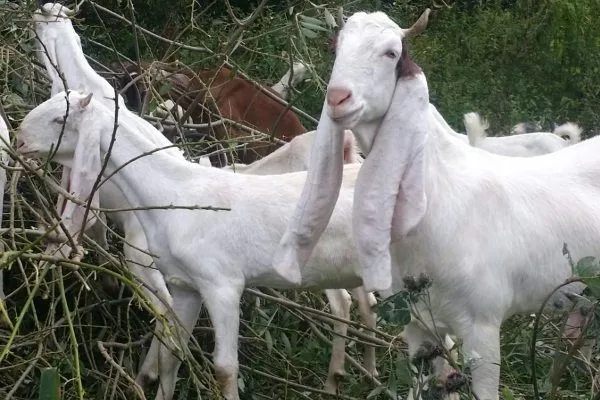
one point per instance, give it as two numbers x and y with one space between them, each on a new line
52 12
52 127
368 52
379 93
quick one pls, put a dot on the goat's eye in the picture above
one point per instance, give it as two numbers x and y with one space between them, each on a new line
391 54
59 120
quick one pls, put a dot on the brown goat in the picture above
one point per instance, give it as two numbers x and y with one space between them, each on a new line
211 94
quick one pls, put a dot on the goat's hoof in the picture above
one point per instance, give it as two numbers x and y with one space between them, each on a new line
330 387
455 381
375 373
144 379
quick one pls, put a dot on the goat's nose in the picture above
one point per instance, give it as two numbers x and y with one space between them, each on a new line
19 142
337 96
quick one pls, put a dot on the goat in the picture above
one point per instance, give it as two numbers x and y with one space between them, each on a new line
526 127
291 157
4 159
220 92
420 188
525 144
236 245
295 75
294 157
60 50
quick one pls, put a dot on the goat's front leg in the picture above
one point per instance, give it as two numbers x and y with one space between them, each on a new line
368 317
339 302
423 343
223 305
481 345
186 309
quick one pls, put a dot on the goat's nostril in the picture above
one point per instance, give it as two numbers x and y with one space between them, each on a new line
338 96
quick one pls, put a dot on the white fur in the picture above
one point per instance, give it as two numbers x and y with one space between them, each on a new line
488 229
61 47
289 158
236 245
525 145
295 156
4 159
282 87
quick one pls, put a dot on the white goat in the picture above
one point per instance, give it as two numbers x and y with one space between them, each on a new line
297 73
294 157
53 26
60 50
525 144
4 159
480 225
236 245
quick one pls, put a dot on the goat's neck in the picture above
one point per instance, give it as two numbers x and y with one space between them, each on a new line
70 60
453 168
155 179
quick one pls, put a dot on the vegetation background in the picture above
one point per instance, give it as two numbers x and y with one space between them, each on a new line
510 60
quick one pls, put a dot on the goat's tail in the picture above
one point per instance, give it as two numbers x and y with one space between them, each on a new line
569 131
475 127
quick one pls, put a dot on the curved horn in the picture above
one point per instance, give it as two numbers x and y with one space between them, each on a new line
418 27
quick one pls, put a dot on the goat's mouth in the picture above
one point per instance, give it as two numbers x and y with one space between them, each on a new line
347 117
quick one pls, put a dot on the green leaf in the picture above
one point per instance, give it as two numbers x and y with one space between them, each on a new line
286 344
593 284
507 394
329 19
310 20
308 33
376 391
587 266
49 384
269 340
313 27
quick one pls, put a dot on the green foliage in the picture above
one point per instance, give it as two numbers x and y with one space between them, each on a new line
49 384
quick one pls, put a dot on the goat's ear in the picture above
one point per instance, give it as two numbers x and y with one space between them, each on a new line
83 174
389 196
317 201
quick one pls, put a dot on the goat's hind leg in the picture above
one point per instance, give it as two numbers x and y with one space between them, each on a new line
368 317
186 309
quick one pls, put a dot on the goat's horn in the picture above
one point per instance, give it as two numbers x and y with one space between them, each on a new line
418 27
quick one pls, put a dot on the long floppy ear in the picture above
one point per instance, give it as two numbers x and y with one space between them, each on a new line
389 196
317 201
84 172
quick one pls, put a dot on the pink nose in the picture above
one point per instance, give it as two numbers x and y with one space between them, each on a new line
338 96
